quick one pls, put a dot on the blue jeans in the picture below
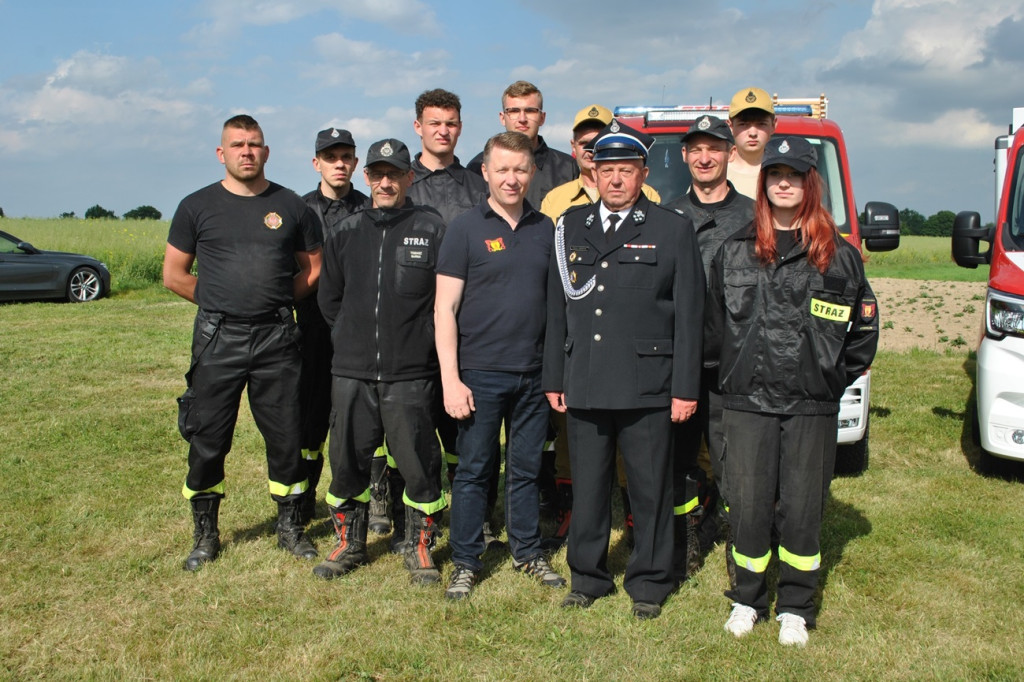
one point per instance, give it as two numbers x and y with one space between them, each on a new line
516 397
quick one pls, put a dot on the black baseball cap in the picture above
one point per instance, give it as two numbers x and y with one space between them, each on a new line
710 125
389 151
793 151
332 137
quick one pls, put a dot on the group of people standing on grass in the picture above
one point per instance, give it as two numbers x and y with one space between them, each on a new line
549 295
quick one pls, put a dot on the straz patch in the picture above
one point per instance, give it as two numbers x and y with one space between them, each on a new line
272 220
830 311
495 244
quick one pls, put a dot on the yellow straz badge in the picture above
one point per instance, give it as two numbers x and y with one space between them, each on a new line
830 311
272 220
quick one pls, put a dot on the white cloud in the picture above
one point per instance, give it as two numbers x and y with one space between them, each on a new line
375 69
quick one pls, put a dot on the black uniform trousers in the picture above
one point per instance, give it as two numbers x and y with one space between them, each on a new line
788 458
705 424
263 354
315 378
363 411
645 438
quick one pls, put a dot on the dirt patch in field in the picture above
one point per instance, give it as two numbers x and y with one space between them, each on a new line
929 314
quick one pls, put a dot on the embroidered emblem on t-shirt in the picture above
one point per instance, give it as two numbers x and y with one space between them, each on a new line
272 220
495 244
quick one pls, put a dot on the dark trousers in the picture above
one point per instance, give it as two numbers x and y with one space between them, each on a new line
363 412
315 377
645 438
265 357
706 424
516 398
788 458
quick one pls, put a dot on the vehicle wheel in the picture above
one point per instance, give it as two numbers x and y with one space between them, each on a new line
84 285
852 458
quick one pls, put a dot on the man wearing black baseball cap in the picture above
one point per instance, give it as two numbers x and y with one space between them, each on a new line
622 358
377 294
333 199
717 210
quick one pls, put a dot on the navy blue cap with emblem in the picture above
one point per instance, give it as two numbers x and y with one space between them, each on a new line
332 137
791 150
710 125
618 142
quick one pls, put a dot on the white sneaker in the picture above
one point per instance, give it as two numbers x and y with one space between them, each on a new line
741 620
793 631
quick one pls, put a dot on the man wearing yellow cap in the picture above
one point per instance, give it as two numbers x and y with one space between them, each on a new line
752 119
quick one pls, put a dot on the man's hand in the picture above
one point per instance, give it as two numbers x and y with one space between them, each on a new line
683 409
458 400
556 400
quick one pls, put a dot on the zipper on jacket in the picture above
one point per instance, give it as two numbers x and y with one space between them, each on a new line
376 311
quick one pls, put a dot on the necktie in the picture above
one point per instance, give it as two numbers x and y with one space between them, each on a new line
613 221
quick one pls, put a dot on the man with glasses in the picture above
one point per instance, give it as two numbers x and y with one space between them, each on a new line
522 111
377 293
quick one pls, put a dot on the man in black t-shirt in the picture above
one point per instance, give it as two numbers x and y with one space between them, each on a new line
248 237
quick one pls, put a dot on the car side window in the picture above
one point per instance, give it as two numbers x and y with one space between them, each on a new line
8 246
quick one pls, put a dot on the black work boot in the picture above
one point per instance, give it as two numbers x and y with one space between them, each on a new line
290 535
627 519
350 528
686 556
563 517
397 489
379 522
307 506
422 533
206 536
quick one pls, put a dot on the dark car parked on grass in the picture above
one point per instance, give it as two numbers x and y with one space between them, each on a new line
26 273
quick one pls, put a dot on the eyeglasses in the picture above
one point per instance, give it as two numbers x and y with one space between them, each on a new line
392 175
531 112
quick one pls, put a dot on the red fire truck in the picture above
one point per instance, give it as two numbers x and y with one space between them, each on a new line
999 383
880 232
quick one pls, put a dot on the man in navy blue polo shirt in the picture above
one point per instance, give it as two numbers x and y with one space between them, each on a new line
489 317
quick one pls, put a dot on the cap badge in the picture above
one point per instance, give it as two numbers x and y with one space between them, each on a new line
705 123
272 220
614 127
593 113
335 133
784 147
751 97
386 150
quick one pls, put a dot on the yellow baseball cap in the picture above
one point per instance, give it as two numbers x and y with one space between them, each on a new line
594 113
750 98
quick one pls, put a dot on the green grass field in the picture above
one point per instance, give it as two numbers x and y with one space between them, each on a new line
921 554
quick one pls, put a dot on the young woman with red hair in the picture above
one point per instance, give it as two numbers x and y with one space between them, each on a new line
791 321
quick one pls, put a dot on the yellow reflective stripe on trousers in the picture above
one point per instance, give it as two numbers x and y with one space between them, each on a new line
753 564
312 455
189 494
686 508
282 490
800 563
383 451
333 501
427 507
451 458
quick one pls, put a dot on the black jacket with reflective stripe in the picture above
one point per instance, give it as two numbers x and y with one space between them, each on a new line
787 339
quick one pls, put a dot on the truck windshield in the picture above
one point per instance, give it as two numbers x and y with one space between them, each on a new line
1016 205
670 176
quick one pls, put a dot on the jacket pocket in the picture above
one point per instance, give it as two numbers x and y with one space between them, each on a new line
653 366
414 271
740 293
637 268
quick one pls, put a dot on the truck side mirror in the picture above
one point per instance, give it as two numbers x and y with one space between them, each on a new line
967 237
881 228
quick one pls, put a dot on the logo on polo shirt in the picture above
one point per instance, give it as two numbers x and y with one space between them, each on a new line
272 220
495 244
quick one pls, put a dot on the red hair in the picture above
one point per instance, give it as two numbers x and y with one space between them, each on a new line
818 230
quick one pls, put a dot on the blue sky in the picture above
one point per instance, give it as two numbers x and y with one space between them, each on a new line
120 103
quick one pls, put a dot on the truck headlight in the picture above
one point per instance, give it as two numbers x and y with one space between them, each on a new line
1004 315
